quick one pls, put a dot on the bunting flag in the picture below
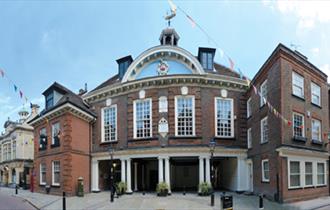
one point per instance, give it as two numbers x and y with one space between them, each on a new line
192 22
232 64
3 75
240 73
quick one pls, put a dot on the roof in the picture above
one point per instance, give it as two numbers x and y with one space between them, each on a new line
300 58
113 80
68 97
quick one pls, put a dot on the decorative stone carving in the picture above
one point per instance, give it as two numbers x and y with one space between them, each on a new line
163 127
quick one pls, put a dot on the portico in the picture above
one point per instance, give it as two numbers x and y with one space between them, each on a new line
142 172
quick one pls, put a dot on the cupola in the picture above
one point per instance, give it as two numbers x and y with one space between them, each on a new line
169 37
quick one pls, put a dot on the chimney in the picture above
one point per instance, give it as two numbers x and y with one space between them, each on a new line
123 64
82 91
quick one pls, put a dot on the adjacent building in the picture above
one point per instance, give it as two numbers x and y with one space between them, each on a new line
16 151
160 115
62 134
290 160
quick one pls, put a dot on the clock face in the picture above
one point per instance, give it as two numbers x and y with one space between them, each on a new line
162 67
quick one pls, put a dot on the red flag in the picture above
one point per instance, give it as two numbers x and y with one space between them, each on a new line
289 123
193 23
255 89
232 64
2 73
21 93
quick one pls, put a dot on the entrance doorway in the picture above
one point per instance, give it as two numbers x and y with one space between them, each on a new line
225 173
104 173
184 174
147 174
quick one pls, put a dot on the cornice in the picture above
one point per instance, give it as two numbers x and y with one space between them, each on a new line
65 108
215 81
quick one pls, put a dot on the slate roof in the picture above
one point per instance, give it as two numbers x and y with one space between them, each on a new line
68 97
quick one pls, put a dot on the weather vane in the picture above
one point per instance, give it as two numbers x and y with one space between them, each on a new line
295 46
168 17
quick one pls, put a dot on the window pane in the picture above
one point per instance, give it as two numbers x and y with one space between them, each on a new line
316 130
308 173
297 85
110 123
294 173
143 118
298 125
185 119
224 117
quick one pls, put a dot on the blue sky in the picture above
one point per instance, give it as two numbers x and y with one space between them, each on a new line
74 42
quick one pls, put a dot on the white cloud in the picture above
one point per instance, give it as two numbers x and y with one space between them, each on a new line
308 12
315 51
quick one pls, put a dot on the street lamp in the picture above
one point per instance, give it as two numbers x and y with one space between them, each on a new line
212 148
111 151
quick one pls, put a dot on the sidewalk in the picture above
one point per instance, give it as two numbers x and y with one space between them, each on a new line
150 201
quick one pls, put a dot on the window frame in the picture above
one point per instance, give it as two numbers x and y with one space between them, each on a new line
308 185
262 141
206 59
263 86
134 118
248 108
263 178
320 130
295 74
300 174
303 124
314 85
49 97
102 123
193 115
53 173
232 122
249 138
59 127
41 173
324 174
163 104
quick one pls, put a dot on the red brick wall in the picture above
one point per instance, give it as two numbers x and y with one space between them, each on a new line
73 154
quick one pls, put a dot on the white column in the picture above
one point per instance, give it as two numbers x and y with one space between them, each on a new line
207 170
160 170
95 176
242 170
129 178
167 173
135 176
201 170
123 170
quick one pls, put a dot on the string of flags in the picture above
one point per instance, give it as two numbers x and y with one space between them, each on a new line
15 87
232 65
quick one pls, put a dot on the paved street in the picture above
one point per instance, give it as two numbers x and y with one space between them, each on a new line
137 201
9 202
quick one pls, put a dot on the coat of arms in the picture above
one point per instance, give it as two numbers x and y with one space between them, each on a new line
162 67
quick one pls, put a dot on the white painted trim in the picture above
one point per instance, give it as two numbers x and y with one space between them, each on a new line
102 123
249 138
134 118
159 49
40 174
67 105
53 182
314 85
302 160
262 86
232 117
262 130
176 113
320 133
263 171
294 74
248 108
303 123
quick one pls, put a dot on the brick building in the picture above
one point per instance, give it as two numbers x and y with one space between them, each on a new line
160 114
62 142
290 162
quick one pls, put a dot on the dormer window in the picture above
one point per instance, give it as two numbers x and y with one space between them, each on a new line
50 100
207 60
206 56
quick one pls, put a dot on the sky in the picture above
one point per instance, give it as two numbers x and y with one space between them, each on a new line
78 42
